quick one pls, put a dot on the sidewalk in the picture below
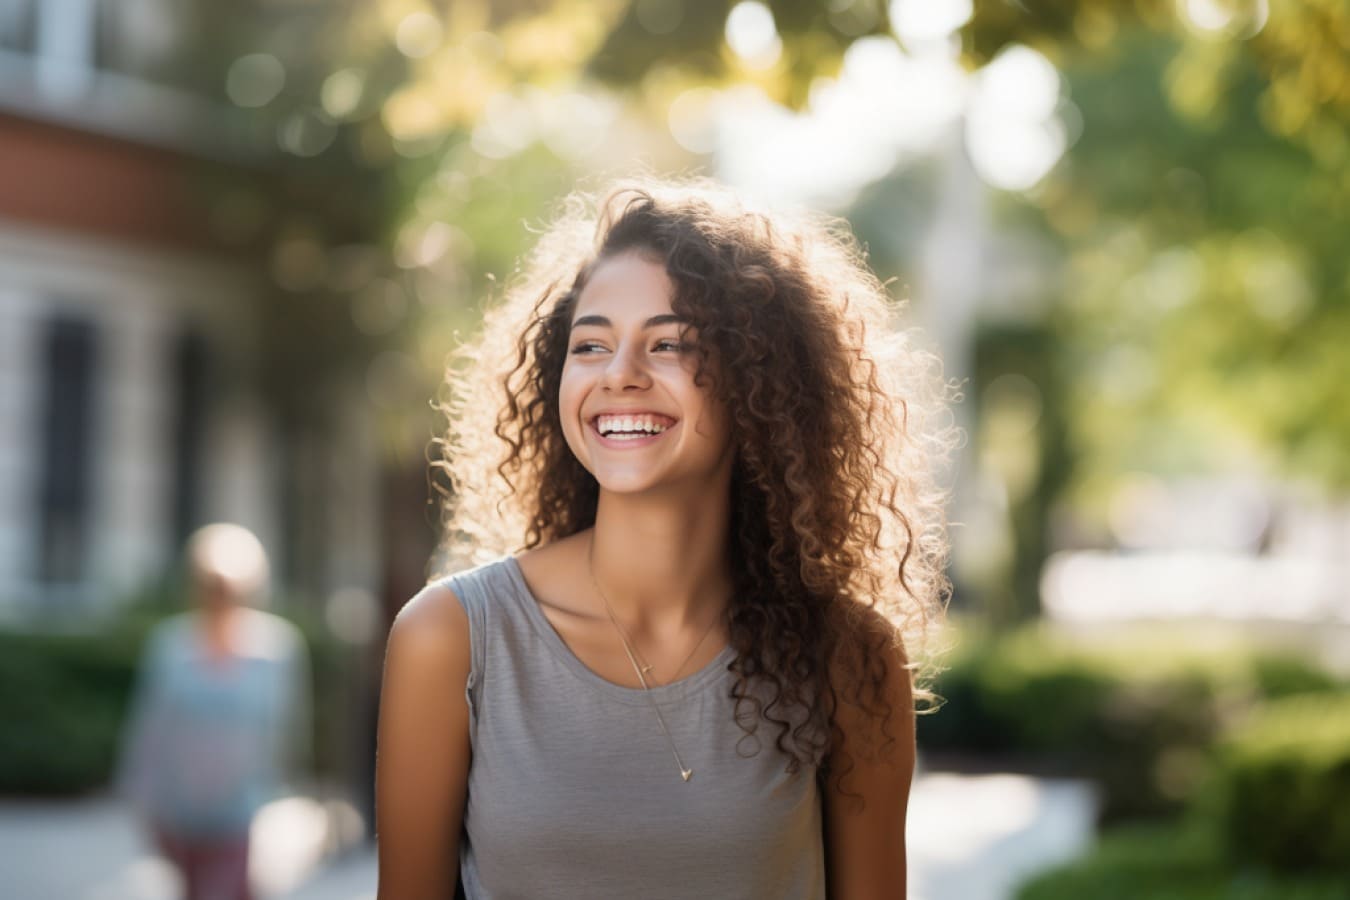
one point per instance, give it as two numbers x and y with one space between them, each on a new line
971 838
91 849
977 837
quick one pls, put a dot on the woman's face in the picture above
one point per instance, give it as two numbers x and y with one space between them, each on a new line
630 409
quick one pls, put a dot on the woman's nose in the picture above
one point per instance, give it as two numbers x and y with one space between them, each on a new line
625 369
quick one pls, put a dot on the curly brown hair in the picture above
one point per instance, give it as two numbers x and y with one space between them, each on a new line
838 422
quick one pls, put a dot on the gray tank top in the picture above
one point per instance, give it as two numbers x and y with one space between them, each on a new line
573 791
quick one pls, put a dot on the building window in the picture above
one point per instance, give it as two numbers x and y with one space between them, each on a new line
66 450
17 25
65 46
72 38
143 38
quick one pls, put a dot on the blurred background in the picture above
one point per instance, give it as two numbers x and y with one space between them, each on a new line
238 240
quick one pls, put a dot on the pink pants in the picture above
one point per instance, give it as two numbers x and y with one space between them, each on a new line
215 869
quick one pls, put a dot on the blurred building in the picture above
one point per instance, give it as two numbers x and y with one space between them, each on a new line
131 409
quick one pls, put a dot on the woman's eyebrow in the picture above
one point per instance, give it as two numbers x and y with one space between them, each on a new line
654 321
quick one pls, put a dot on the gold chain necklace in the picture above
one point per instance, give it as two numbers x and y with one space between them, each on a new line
629 643
641 671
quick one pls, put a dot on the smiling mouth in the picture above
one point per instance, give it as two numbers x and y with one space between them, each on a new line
631 427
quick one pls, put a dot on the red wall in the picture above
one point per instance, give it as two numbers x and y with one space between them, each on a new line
66 179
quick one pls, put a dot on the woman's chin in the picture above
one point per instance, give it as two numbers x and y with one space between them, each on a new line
631 485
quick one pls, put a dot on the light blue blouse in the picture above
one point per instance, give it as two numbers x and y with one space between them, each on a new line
209 741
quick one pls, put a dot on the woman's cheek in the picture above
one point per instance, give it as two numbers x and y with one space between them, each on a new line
570 411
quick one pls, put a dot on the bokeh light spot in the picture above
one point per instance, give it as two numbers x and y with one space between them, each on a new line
752 35
692 122
922 21
418 35
852 18
411 114
255 80
659 16
342 92
353 615
508 126
1224 19
306 133
1012 132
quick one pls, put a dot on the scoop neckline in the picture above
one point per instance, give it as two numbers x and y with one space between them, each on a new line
665 693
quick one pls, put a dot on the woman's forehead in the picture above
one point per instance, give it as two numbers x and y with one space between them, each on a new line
626 286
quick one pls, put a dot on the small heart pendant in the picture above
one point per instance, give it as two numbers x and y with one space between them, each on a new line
686 773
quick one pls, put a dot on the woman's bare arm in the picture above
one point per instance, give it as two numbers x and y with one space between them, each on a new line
865 836
423 759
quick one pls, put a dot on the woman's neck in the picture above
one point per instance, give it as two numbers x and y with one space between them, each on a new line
219 626
661 564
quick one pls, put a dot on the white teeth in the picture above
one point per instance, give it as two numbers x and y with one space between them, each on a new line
628 426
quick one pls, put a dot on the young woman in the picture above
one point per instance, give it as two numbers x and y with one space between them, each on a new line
714 460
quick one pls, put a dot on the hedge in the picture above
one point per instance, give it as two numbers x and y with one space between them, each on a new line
1271 823
1174 862
1136 716
64 698
1281 786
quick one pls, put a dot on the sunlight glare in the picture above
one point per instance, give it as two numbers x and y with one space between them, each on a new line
918 21
288 840
1225 18
752 35
1012 132
884 106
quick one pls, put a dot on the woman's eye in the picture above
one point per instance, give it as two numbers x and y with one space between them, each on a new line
667 345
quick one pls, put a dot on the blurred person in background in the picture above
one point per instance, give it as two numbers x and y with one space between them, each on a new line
221 716
717 465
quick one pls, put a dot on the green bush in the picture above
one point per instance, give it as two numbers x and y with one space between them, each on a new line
1285 676
64 698
1281 786
1173 862
1136 716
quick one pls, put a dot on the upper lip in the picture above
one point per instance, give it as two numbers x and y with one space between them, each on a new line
629 412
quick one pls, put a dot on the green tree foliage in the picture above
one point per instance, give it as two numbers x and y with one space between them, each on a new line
1207 289
687 36
1203 211
1297 49
1202 207
386 207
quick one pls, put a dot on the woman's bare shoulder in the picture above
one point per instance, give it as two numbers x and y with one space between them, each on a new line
424 745
870 638
864 625
432 628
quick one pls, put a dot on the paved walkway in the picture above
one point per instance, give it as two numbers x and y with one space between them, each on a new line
971 838
977 837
